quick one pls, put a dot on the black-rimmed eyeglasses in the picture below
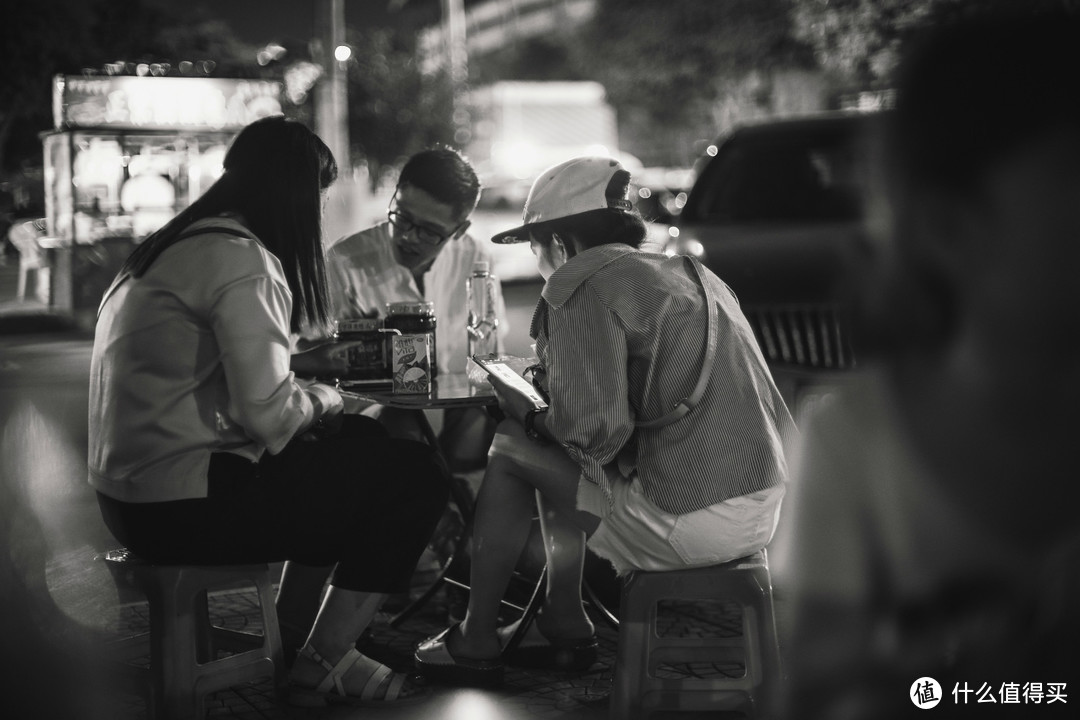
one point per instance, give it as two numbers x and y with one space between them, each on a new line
424 233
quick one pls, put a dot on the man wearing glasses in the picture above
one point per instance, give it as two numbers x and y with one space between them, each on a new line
422 252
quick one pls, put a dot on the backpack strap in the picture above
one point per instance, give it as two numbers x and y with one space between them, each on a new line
188 232
220 229
690 401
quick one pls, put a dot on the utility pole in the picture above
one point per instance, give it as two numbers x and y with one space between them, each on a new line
453 17
457 62
349 201
331 92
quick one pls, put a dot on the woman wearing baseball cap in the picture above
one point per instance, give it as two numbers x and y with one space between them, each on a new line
662 441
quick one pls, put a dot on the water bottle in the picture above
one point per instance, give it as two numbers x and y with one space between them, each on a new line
483 322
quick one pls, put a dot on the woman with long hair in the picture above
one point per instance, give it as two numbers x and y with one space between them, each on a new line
206 449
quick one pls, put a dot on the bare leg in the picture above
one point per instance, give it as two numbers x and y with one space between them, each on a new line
563 614
504 508
465 437
515 473
343 616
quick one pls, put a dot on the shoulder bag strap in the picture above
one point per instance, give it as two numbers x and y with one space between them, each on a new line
687 404
120 279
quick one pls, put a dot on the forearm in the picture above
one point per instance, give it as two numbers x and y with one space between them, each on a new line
326 405
305 364
323 360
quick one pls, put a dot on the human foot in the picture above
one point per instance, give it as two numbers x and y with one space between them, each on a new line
539 647
355 679
550 628
443 658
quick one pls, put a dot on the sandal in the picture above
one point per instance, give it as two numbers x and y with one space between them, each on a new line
434 660
537 651
383 686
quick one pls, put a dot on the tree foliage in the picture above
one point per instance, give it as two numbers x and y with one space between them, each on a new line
532 59
672 56
394 109
43 38
859 41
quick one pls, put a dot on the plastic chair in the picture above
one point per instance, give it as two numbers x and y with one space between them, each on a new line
638 692
184 644
24 236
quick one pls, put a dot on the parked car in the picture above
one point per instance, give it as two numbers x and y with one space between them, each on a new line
777 212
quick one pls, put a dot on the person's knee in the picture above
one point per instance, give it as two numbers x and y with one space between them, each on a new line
358 427
421 470
510 428
401 424
465 438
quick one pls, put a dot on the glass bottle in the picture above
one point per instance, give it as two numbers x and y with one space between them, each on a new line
483 320
413 318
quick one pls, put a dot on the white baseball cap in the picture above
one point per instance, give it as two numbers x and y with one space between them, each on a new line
569 188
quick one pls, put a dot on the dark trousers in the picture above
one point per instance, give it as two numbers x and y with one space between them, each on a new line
361 501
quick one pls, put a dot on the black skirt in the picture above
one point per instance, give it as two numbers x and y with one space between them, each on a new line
360 500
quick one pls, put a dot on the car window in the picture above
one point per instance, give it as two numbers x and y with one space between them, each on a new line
808 177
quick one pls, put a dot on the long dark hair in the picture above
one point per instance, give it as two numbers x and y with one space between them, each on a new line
275 172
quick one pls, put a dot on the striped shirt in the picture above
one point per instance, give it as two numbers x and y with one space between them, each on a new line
621 334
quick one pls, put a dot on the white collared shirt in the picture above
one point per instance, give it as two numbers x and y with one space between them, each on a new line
364 276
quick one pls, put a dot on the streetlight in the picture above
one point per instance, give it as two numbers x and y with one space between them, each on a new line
342 53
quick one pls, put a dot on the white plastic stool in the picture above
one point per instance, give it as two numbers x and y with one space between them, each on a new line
637 692
184 644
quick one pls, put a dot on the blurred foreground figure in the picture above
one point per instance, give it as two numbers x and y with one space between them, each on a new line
931 534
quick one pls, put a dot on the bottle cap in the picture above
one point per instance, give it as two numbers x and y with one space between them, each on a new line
410 308
480 266
359 325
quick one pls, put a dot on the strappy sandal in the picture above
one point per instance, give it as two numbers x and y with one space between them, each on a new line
383 686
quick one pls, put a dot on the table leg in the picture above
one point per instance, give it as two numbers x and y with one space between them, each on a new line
462 497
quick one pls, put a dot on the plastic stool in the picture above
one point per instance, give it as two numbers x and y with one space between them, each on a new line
637 692
184 666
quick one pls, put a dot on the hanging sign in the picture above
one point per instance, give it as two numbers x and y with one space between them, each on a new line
162 103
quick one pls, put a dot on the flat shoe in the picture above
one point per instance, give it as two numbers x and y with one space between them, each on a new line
436 663
538 652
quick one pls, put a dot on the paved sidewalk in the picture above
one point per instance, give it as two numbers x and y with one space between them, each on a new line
525 694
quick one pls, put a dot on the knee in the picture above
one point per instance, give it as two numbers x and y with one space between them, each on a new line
359 427
422 471
510 428
512 450
401 424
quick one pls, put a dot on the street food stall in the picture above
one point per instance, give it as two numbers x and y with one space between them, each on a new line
126 155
